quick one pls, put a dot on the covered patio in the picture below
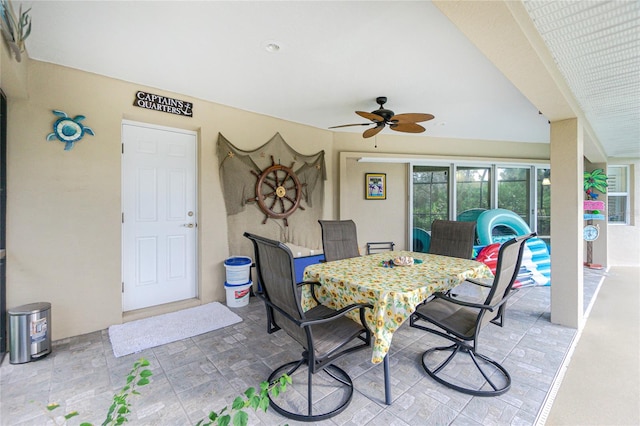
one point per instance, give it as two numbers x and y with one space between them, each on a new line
191 377
66 210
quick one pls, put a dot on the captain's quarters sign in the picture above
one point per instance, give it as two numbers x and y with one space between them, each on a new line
164 104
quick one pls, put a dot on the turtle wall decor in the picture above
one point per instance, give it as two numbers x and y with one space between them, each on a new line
68 130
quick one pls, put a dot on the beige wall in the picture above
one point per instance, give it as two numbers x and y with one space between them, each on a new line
377 220
410 145
64 207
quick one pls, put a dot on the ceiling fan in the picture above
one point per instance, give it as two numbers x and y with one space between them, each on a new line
385 117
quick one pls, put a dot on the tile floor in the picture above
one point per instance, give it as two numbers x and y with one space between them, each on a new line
196 375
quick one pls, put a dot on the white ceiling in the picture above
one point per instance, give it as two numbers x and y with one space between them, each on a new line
334 58
596 46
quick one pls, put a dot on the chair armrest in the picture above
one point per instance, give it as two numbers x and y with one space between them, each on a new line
337 314
301 283
481 283
313 292
460 302
490 308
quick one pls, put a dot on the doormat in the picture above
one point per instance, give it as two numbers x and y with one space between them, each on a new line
135 336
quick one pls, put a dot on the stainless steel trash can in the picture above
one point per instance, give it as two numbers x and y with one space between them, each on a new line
29 332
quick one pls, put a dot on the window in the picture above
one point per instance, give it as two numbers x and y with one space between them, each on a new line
618 194
462 192
430 195
514 190
473 189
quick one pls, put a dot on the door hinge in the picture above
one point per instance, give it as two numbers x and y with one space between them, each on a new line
122 147
123 286
122 217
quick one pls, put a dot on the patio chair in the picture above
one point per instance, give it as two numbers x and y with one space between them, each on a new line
377 247
452 238
339 239
462 322
325 335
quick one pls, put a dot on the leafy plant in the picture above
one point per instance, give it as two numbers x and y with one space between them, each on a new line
139 376
15 27
121 407
67 416
253 400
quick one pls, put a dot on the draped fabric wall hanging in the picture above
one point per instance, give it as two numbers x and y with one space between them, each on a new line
239 173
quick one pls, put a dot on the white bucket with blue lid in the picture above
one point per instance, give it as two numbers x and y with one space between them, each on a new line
238 270
238 295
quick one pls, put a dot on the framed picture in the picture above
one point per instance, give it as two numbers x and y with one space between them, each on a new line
375 186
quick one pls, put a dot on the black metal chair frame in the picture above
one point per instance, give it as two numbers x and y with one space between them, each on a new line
309 321
376 247
465 341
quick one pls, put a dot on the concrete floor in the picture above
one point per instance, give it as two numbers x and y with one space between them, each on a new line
602 383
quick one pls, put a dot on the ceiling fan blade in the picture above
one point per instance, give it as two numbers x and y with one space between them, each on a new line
347 125
370 116
407 127
412 117
373 131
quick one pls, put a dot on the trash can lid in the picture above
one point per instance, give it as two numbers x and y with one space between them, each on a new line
31 308
238 261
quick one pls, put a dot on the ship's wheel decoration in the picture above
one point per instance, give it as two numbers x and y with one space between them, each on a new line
278 191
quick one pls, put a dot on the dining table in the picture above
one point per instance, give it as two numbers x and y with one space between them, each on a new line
394 283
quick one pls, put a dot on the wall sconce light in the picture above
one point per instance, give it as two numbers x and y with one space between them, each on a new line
546 180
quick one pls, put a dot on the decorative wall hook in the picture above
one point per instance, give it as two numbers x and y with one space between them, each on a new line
68 130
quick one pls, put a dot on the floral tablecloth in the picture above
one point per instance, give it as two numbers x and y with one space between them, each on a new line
394 292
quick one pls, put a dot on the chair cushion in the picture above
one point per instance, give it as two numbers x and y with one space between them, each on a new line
458 320
332 335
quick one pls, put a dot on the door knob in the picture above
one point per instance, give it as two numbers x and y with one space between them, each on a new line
188 225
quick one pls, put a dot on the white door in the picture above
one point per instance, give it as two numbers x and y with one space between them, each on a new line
159 225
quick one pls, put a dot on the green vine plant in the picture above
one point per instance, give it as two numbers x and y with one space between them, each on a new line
253 400
139 375
120 407
15 28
